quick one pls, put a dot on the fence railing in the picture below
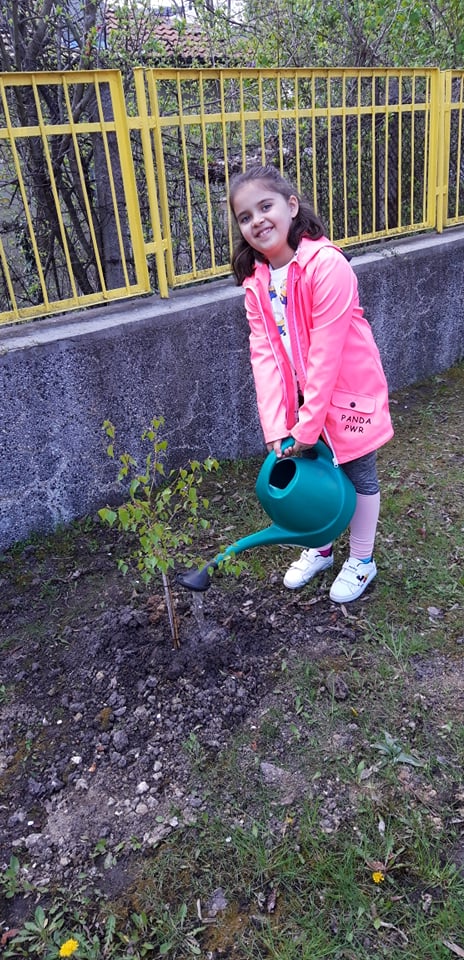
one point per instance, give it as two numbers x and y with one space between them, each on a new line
71 233
106 194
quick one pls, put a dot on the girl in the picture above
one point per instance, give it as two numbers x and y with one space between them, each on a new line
316 366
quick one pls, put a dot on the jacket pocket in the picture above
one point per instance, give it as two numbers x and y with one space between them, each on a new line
352 413
353 403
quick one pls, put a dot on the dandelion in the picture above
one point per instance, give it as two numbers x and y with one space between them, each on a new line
68 948
378 876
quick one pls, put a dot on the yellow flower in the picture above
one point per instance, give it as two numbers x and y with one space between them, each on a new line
68 948
378 876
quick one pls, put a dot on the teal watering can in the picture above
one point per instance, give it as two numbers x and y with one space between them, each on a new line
309 499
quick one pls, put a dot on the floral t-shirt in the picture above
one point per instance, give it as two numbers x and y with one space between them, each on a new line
278 297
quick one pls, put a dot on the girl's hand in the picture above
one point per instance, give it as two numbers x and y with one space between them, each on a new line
276 446
291 451
296 449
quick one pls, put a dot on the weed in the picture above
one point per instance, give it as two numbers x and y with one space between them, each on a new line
178 939
270 727
393 752
401 642
47 936
11 880
195 751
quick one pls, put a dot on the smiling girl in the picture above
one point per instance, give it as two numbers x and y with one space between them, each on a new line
316 366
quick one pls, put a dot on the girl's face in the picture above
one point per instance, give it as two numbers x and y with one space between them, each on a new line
264 217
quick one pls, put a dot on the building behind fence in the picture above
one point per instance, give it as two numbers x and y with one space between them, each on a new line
107 194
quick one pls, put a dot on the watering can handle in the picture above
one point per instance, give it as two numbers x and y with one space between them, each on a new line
289 441
310 453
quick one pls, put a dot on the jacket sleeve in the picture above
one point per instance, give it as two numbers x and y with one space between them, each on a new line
268 379
334 296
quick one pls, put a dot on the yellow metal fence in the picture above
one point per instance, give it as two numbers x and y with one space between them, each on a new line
71 233
106 193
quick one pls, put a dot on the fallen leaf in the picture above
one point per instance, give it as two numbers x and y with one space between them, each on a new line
217 903
368 771
311 602
7 936
435 613
427 902
271 901
391 926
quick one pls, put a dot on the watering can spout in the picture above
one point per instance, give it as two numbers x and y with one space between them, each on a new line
309 499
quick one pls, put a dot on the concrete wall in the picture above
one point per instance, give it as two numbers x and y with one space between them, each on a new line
187 359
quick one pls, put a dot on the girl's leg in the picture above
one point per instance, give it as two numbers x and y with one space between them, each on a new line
358 571
351 581
364 525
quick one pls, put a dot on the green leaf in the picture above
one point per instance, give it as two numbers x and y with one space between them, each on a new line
108 516
110 931
39 917
408 758
109 429
124 517
194 948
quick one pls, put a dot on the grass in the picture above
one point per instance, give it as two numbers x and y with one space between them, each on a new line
365 860
304 893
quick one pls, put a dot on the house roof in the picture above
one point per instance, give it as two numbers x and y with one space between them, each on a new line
159 36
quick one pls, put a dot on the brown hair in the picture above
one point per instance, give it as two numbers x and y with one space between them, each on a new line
305 224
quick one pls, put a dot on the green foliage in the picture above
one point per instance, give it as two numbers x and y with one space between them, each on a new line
11 881
61 931
195 751
393 752
163 512
47 936
278 33
364 34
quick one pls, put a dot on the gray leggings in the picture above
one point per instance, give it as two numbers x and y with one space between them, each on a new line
363 474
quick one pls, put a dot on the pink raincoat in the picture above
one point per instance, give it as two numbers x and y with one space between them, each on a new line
338 366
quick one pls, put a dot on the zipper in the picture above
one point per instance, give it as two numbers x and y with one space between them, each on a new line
330 445
292 325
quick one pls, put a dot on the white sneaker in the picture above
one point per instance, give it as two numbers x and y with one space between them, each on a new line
352 580
308 566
